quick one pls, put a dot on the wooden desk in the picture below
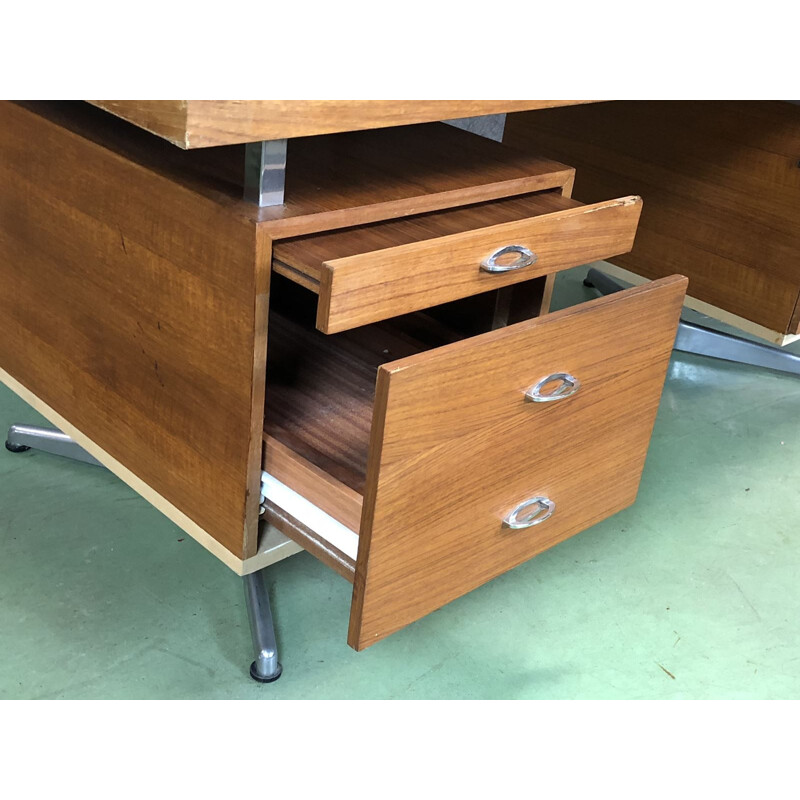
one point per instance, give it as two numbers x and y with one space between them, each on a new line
367 353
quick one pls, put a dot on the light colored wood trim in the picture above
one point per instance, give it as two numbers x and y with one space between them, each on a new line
776 337
271 548
205 123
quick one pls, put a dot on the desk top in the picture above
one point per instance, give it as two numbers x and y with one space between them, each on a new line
205 123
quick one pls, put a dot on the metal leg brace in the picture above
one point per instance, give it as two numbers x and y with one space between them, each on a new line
48 440
265 668
704 341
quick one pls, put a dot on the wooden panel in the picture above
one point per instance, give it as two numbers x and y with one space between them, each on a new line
165 118
377 283
455 446
334 181
320 391
357 178
334 498
794 324
137 310
720 184
632 279
203 123
304 256
310 541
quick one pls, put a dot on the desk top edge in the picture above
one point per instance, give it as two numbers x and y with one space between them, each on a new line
192 124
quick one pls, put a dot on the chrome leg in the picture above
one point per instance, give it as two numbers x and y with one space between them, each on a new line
704 341
265 669
265 172
693 338
48 440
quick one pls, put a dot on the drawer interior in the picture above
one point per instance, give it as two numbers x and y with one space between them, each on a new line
321 389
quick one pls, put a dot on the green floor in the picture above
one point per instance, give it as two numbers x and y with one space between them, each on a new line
691 593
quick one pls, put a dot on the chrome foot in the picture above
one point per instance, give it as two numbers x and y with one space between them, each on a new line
265 669
16 448
704 341
48 440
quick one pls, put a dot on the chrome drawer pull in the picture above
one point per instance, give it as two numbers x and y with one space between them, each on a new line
569 385
530 512
526 258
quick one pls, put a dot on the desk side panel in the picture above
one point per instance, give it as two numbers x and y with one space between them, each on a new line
132 306
720 185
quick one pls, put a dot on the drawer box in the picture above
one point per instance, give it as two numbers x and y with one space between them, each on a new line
372 272
421 468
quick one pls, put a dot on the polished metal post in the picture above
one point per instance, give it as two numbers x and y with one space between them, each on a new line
265 172
704 341
265 668
48 440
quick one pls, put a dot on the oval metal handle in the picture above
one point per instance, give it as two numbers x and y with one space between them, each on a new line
529 513
525 259
569 385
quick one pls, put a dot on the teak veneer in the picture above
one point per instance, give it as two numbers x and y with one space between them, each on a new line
372 272
344 352
722 189
141 312
202 123
445 443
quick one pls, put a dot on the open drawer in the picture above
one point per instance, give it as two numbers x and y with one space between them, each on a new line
372 272
466 458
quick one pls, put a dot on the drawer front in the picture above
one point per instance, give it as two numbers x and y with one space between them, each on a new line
456 446
378 278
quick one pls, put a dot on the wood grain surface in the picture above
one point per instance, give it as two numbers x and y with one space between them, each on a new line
393 268
136 308
320 391
334 181
203 123
334 498
356 178
455 446
720 184
309 540
306 255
